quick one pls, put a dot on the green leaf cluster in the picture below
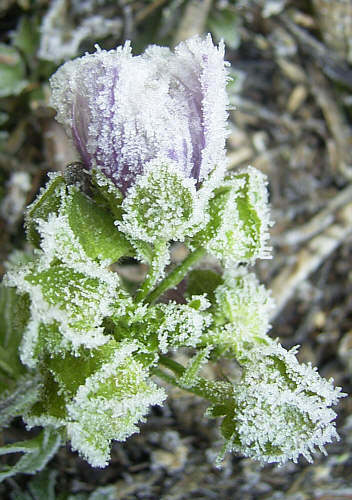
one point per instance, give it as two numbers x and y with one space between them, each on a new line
79 349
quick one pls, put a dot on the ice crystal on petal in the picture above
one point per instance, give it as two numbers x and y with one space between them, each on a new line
281 408
123 111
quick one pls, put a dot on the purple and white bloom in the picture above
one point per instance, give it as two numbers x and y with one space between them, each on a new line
124 111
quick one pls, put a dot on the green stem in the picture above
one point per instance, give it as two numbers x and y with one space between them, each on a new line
173 365
215 392
173 381
176 275
155 268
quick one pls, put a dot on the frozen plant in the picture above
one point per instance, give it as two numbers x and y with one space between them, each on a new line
151 132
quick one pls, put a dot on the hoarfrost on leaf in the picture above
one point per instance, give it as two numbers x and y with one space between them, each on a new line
161 205
242 313
239 219
281 409
109 405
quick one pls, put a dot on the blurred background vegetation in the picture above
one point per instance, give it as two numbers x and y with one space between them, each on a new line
291 104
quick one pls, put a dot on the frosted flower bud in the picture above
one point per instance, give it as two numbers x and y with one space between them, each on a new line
123 111
282 409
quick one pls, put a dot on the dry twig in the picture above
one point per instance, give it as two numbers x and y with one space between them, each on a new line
311 257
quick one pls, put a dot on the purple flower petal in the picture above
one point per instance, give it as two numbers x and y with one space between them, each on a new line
124 111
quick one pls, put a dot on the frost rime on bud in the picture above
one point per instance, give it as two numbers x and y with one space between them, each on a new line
124 111
242 313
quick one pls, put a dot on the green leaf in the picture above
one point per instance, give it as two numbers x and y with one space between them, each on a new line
26 37
42 486
77 295
160 205
202 281
95 229
239 219
191 373
228 427
37 452
48 201
225 24
14 315
51 406
12 71
217 411
106 193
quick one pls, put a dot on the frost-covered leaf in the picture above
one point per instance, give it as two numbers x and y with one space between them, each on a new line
96 396
164 326
239 219
47 202
36 453
62 374
281 409
95 230
67 305
160 205
242 311
12 71
109 405
78 302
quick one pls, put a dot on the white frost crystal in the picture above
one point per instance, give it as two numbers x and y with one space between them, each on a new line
170 325
124 111
281 408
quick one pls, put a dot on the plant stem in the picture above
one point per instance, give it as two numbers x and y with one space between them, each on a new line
215 392
176 275
156 267
173 381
